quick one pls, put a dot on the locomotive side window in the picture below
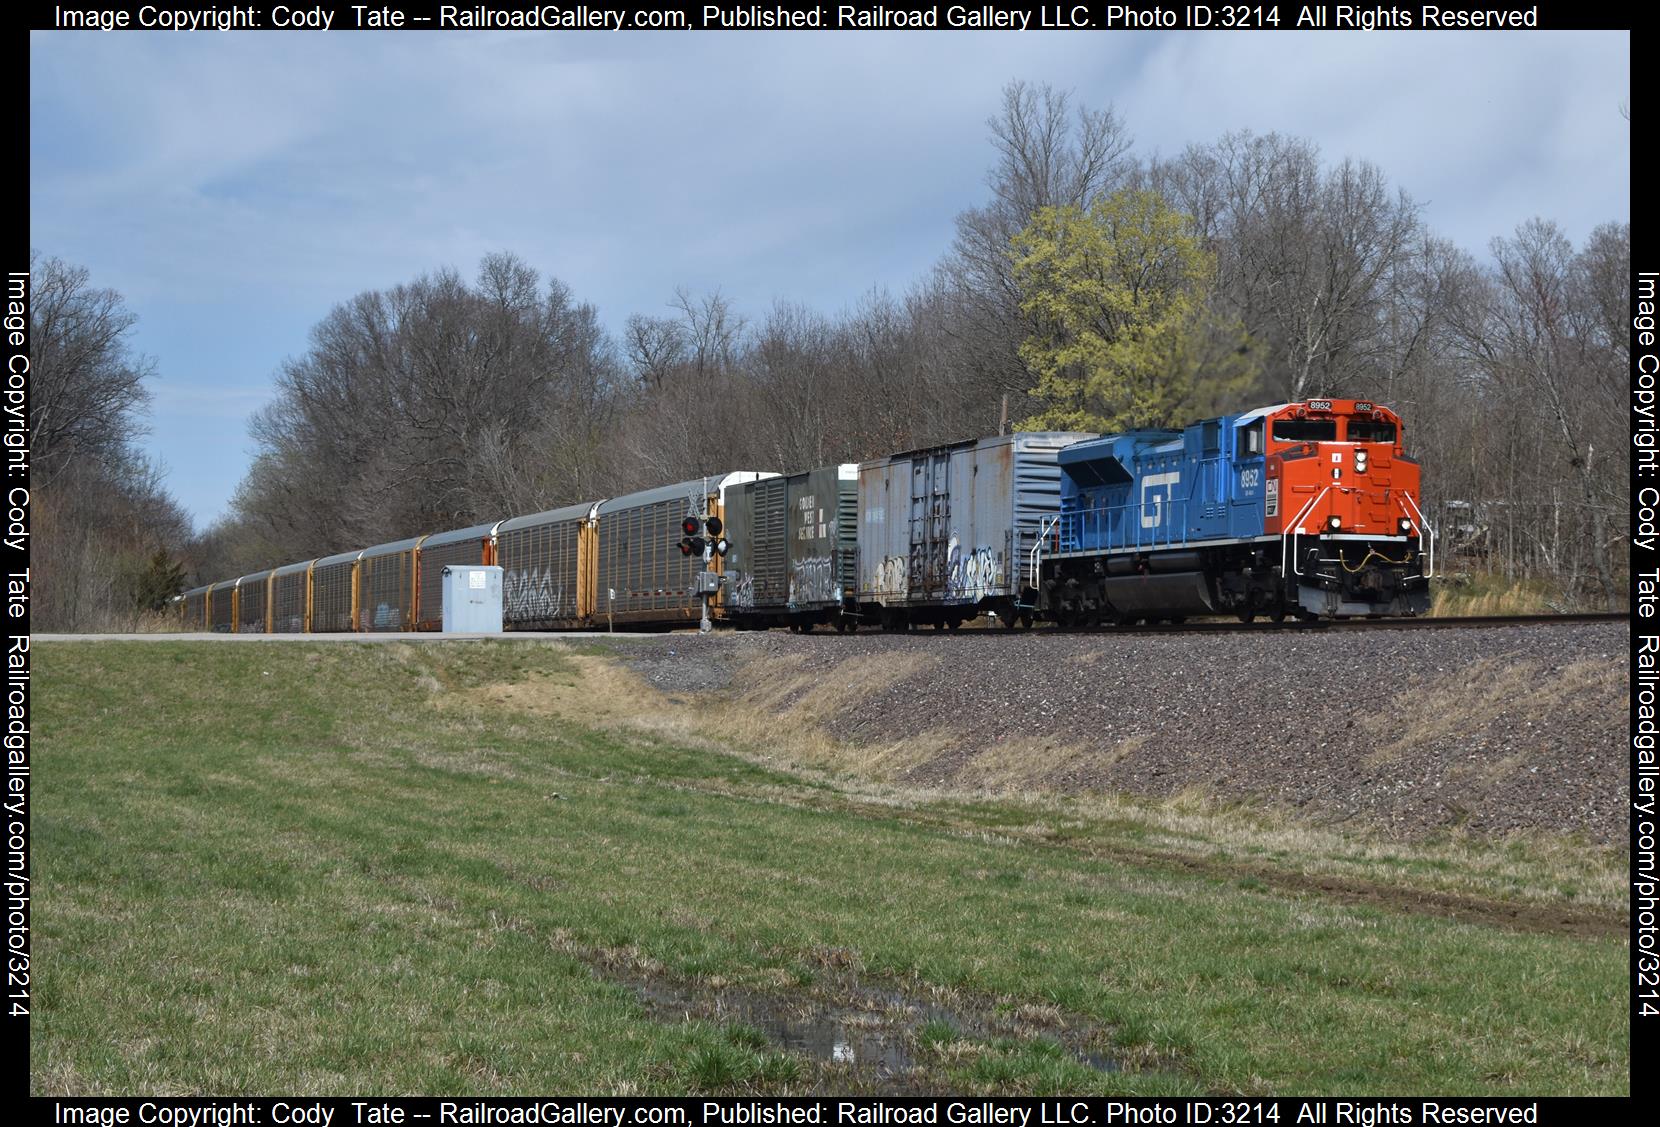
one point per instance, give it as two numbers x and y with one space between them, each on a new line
1250 440
1211 436
1369 430
1305 430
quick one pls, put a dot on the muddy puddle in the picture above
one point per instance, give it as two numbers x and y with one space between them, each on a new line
881 1034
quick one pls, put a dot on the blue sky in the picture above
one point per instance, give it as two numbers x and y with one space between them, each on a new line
234 187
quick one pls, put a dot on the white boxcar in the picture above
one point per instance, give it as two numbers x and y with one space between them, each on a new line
946 534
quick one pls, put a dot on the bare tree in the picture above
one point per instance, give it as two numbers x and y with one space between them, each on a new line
86 389
432 405
1545 336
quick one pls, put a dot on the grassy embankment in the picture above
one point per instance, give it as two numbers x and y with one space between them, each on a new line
405 868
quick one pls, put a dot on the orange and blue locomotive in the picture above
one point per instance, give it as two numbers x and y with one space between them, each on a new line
1308 509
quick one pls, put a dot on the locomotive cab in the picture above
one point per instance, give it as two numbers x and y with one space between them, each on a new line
1343 498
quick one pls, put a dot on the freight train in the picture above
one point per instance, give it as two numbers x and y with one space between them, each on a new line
1306 509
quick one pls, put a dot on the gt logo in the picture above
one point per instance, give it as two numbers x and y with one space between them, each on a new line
1152 495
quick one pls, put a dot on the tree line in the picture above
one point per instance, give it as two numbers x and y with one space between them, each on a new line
1092 290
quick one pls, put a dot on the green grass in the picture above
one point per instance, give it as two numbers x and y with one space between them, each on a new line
341 868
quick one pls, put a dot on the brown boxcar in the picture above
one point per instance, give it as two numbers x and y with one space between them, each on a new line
334 593
193 609
475 545
291 599
386 586
222 607
547 579
252 599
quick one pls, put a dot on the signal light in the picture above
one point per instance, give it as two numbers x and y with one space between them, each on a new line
721 546
689 526
713 524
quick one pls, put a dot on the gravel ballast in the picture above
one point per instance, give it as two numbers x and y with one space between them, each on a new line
1489 730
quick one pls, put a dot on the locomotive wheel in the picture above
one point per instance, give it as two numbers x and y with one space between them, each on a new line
954 624
1009 621
1247 615
1278 613
841 625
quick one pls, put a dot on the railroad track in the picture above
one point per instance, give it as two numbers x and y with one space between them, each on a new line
1219 626
1266 626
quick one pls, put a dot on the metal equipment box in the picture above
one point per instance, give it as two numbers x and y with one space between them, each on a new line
472 599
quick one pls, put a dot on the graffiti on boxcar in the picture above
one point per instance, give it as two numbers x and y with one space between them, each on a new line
531 596
892 574
742 590
973 574
812 580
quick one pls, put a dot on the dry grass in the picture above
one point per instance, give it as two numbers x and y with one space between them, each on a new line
1485 594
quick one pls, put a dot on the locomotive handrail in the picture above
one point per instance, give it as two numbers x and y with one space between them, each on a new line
1034 558
1417 515
1288 540
1162 535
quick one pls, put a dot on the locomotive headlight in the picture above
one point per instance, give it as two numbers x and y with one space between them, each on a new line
1335 522
1406 526
1360 461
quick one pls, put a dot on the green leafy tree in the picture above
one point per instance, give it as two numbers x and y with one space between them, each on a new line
1127 336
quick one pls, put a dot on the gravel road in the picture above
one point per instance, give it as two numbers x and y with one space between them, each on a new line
1490 730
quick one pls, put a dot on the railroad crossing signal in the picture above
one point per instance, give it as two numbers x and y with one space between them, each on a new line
703 539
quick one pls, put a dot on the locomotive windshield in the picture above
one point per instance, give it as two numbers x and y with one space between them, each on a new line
1305 430
1371 430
